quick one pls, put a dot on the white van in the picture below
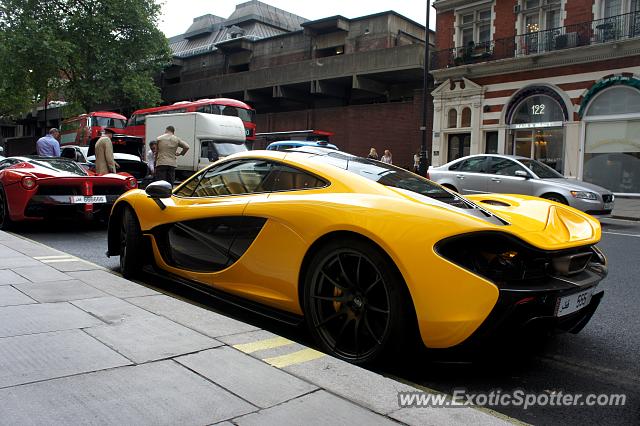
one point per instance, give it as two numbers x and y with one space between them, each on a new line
210 137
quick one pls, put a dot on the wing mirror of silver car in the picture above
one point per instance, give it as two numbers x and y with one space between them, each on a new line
522 173
158 190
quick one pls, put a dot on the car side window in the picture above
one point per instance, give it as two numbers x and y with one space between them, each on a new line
285 178
474 165
235 178
456 166
504 166
208 150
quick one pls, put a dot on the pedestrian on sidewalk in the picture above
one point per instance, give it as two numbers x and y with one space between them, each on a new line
373 154
166 159
386 158
105 163
48 145
152 154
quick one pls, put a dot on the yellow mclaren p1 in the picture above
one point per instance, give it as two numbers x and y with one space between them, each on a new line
366 252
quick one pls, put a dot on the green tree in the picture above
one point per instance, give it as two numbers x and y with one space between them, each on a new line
93 52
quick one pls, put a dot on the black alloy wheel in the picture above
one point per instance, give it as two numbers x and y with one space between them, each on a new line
355 302
5 220
130 245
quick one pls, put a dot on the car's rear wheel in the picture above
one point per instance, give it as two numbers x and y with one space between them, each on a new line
451 187
5 220
555 197
355 302
130 245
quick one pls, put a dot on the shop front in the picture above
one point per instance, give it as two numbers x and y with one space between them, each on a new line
611 135
536 120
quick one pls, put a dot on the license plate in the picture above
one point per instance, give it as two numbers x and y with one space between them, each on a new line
569 304
85 199
608 206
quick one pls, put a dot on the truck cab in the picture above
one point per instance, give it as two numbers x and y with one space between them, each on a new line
210 137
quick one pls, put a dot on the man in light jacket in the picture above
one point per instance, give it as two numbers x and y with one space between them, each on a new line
166 158
105 162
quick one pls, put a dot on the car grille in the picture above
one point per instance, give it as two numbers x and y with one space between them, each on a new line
59 190
607 198
108 190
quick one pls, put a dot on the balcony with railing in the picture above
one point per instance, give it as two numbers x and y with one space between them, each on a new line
615 28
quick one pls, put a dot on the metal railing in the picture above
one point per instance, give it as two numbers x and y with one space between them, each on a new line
615 28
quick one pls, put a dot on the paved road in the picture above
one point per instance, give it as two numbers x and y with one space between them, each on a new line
603 358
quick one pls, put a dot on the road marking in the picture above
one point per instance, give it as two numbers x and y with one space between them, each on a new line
620 233
297 357
260 345
51 257
61 260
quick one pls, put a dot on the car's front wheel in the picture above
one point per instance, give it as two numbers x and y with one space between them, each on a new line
355 302
555 197
130 245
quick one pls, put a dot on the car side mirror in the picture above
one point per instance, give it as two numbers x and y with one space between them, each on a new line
522 173
158 190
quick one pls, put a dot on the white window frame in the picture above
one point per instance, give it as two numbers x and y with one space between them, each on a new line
475 24
542 9
599 8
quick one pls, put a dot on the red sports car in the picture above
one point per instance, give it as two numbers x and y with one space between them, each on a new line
33 188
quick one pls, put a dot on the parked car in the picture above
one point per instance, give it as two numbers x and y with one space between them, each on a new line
34 188
367 253
509 174
129 163
283 145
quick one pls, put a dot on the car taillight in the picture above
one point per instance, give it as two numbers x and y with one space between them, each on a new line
132 183
428 177
28 182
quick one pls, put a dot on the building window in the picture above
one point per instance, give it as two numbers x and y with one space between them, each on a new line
536 17
491 143
466 118
540 15
453 118
474 27
612 140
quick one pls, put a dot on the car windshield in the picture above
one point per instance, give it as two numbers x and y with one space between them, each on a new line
60 164
541 170
389 175
109 122
227 148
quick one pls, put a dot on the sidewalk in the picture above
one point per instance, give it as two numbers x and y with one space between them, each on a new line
81 345
626 208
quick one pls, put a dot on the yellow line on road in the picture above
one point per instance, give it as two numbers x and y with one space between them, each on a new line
260 345
294 358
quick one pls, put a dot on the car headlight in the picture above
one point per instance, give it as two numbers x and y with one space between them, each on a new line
584 195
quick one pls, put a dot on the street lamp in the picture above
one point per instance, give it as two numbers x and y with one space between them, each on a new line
422 168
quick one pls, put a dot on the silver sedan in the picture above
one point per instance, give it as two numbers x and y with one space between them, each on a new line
509 174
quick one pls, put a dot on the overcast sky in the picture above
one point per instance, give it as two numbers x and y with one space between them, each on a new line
178 14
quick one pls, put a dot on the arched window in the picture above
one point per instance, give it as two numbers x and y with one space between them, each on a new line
466 117
616 100
453 118
537 109
612 139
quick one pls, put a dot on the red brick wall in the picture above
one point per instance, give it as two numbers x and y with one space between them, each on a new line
445 30
394 126
578 11
612 64
505 19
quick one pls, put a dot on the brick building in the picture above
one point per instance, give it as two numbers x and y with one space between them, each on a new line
556 80
360 78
